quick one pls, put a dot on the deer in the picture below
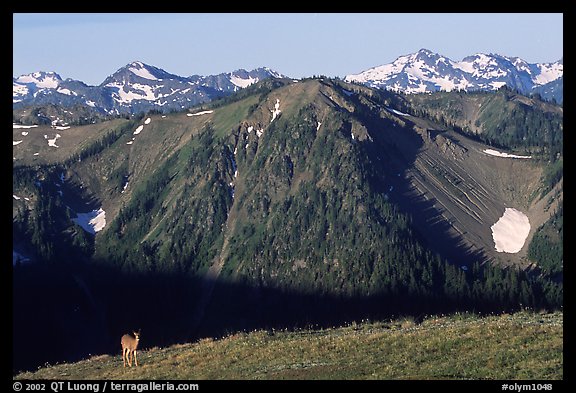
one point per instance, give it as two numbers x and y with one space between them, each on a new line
129 346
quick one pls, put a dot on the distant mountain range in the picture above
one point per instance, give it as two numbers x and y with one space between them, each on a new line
136 87
426 71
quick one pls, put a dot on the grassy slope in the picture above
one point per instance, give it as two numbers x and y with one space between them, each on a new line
518 346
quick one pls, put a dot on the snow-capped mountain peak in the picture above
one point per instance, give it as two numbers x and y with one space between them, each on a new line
31 85
426 71
133 88
140 69
40 79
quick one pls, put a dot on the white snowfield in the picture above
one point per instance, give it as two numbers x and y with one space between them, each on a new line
510 231
549 72
142 71
52 142
14 143
276 110
471 72
68 92
22 126
48 81
148 120
397 112
18 90
497 153
140 92
139 129
18 198
199 113
240 82
93 221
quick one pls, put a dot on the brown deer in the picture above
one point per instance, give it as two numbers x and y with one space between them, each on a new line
129 345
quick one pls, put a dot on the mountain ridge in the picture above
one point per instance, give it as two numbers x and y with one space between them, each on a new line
426 71
136 87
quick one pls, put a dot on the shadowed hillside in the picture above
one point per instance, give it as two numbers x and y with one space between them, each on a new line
505 347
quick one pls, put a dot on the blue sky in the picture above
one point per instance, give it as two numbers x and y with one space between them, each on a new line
89 47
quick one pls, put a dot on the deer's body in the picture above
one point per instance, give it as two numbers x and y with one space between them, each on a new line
129 346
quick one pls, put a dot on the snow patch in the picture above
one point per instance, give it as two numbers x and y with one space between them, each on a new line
18 89
68 92
143 92
24 133
48 81
148 120
496 153
259 132
198 113
91 222
510 231
318 126
61 127
276 111
549 73
22 126
397 112
241 82
139 129
142 72
14 143
52 142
